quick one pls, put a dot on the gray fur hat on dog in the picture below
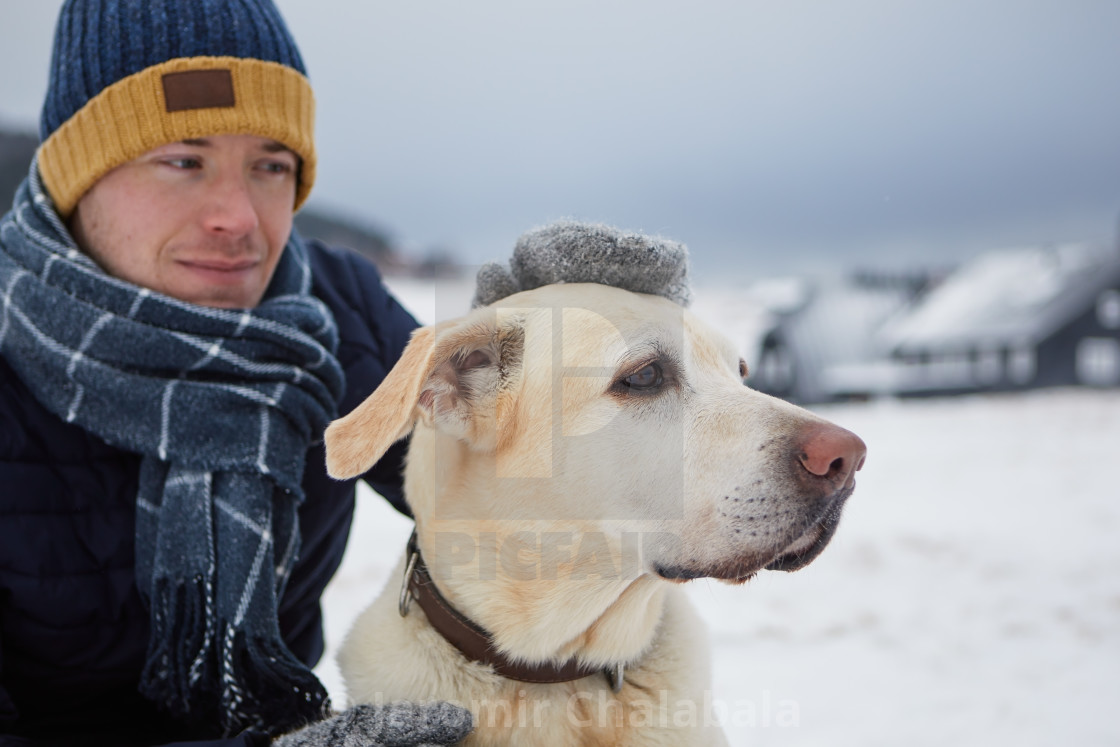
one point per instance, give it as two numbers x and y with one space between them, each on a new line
573 252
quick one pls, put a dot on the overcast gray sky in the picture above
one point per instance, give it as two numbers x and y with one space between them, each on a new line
770 137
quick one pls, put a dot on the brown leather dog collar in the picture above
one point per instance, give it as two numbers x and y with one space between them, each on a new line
474 642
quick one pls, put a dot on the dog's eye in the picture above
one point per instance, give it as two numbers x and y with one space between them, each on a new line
743 370
648 377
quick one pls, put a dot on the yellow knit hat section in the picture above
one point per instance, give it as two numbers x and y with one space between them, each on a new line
131 117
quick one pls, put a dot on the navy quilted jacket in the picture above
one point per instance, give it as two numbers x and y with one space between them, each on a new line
73 630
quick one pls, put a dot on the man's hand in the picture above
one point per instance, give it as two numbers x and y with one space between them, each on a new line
393 725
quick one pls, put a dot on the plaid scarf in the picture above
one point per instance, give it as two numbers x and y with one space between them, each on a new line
222 405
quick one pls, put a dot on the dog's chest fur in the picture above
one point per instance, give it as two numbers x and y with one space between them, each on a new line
388 658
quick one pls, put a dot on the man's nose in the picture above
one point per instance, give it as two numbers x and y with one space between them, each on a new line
230 207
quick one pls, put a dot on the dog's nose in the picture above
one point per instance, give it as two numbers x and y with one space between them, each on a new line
832 452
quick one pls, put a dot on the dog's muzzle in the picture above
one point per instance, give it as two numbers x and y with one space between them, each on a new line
820 477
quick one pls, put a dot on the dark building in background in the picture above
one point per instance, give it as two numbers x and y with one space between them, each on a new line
827 347
1014 320
1006 321
16 151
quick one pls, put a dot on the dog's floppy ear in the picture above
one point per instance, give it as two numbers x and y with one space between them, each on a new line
450 374
355 442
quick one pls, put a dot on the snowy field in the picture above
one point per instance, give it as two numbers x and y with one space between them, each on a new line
970 598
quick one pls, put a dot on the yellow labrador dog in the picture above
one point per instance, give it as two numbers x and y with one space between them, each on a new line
578 451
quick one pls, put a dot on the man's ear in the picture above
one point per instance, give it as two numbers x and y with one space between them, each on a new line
450 375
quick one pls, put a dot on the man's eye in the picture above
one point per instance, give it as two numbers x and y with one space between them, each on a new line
648 377
184 163
278 167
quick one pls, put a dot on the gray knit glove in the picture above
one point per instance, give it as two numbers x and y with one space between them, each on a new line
572 252
393 725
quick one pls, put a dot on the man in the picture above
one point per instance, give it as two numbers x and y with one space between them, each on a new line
170 353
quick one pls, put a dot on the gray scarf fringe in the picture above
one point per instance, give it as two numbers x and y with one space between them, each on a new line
222 405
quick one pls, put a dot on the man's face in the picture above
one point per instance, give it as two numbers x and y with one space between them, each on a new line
202 220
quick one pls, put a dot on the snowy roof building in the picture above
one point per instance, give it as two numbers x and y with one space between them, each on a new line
1014 319
827 347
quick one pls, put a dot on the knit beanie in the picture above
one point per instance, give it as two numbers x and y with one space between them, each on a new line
128 76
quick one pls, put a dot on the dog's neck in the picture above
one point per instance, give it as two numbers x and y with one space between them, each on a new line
599 623
477 644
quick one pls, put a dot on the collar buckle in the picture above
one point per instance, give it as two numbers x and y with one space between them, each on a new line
405 599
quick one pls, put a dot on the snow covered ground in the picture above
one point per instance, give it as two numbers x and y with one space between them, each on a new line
970 597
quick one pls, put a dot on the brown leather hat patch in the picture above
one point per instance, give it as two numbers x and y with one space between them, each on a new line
198 89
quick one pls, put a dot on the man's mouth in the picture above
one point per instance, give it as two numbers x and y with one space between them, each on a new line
220 270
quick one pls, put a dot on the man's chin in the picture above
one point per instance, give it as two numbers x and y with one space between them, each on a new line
222 289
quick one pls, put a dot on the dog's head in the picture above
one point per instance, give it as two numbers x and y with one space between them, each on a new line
604 410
